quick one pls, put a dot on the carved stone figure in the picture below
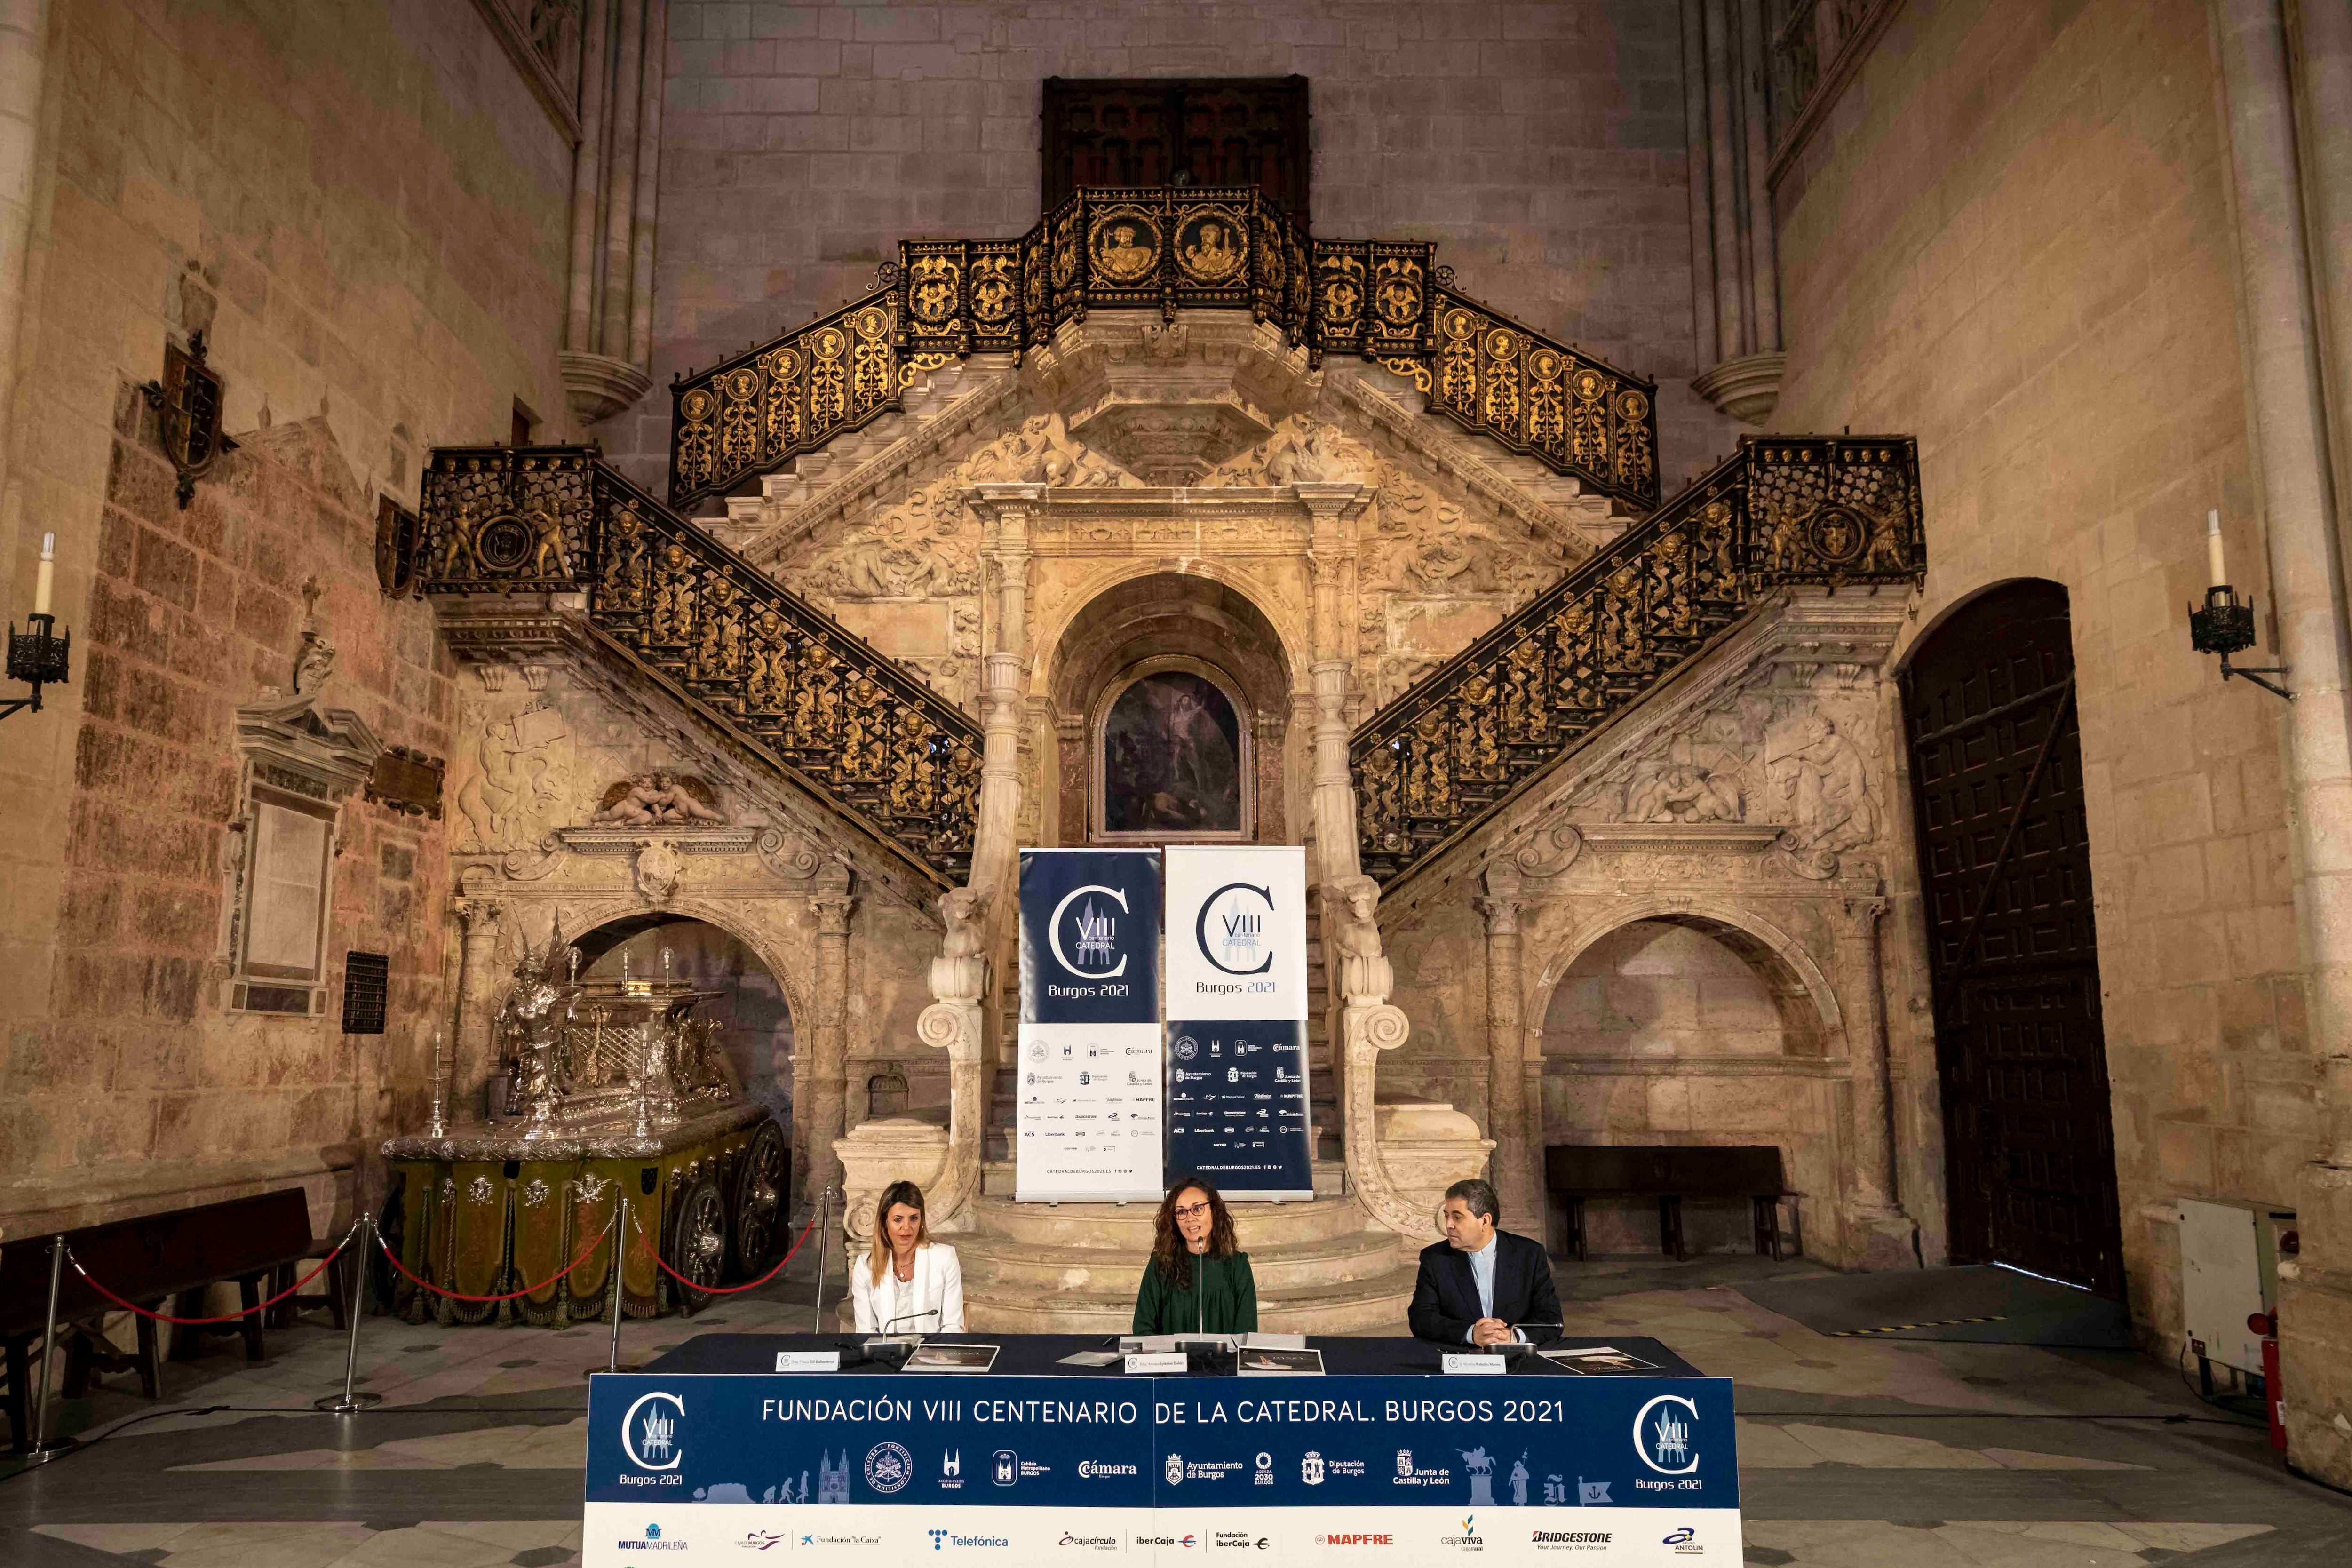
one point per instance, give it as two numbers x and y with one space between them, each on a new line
518 775
960 973
1365 977
1043 453
1826 779
1700 778
1300 452
658 799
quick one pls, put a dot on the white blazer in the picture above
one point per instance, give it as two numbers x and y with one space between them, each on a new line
936 1292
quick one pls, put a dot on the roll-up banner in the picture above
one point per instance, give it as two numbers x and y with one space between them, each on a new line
1089 1082
1237 1020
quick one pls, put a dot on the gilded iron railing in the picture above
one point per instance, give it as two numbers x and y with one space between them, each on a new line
850 722
1779 512
1169 249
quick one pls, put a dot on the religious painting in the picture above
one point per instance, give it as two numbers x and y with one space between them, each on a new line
1171 758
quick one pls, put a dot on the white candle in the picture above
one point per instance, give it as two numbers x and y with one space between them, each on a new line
46 578
2219 573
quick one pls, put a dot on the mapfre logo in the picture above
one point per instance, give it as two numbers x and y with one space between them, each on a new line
1358 1538
1231 930
649 1434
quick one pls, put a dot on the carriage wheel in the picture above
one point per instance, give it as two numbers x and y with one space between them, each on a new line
759 1178
697 1242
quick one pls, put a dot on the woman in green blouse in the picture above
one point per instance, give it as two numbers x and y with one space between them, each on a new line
1196 1281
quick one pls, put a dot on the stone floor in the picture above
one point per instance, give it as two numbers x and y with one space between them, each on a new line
2007 1454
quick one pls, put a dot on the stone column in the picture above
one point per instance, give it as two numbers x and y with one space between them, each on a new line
1505 1049
608 313
587 175
24 64
2287 411
1702 200
2326 62
1723 184
821 1079
1879 1235
1331 556
1008 508
651 77
472 1051
1332 560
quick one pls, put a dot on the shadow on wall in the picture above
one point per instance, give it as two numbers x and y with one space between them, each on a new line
756 1027
1667 1032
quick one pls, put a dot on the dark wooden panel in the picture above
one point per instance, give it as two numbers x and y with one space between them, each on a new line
1175 130
2005 865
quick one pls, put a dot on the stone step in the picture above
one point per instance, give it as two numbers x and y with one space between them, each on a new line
1009 1268
1361 1306
1127 1226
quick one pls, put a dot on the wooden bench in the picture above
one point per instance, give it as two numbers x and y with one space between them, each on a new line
172 1257
1668 1173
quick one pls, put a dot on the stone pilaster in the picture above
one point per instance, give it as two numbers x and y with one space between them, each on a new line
1506 1119
1008 508
472 1051
821 1083
1880 1236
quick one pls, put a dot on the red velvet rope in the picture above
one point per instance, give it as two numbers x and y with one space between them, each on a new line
647 1245
586 1253
229 1318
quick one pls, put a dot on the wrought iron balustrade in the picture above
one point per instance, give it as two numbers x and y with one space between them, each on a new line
848 722
1780 512
1168 250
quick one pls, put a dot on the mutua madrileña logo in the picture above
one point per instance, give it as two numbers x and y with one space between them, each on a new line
653 1542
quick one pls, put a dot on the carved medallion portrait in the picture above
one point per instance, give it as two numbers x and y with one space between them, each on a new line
1171 757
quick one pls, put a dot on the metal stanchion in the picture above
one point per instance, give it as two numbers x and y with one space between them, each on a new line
620 1233
46 1447
824 1207
351 1399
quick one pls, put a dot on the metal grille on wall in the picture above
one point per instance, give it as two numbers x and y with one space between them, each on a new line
1468 735
367 985
1169 249
847 721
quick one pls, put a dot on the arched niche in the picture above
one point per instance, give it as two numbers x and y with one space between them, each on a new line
1170 624
1172 755
1662 1026
753 1010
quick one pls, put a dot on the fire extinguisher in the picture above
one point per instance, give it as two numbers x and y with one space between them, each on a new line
2266 1325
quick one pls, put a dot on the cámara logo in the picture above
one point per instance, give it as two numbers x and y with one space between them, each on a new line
1096 931
1231 929
649 1431
1665 1443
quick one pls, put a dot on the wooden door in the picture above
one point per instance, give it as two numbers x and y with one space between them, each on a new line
1997 781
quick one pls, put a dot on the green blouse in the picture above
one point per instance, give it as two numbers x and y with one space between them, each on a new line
1220 1300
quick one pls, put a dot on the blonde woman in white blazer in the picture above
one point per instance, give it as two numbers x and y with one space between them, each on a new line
906 1283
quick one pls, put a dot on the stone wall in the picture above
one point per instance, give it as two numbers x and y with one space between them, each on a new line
2011 239
1542 147
137 1082
363 209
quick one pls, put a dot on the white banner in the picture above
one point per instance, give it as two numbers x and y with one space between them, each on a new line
1237 933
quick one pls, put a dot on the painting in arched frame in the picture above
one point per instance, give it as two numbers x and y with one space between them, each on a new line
1171 757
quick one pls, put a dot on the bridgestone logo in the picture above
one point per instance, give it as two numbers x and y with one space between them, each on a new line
1572 1538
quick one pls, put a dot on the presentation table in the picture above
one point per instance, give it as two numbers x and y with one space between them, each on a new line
710 1451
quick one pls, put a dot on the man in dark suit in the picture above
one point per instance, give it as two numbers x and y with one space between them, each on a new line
1479 1280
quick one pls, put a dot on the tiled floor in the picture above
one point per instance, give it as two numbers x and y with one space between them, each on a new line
2009 1455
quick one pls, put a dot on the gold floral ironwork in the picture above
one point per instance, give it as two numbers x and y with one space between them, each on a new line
1171 248
843 719
1780 512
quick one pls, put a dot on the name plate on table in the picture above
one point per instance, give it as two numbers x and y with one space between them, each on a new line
1157 1360
808 1360
1458 1364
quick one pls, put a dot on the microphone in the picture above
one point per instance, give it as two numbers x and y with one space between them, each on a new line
906 1316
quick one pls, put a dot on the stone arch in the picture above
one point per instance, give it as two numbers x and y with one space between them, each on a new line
1772 950
1286 631
1923 633
1709 1083
1154 615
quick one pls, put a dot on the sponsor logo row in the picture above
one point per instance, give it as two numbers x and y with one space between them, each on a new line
1467 1534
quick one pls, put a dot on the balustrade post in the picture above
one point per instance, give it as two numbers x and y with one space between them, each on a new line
830 904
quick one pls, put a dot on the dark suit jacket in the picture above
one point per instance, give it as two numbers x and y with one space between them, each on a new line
1445 1297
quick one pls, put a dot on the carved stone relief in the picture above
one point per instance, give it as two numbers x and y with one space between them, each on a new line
514 768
